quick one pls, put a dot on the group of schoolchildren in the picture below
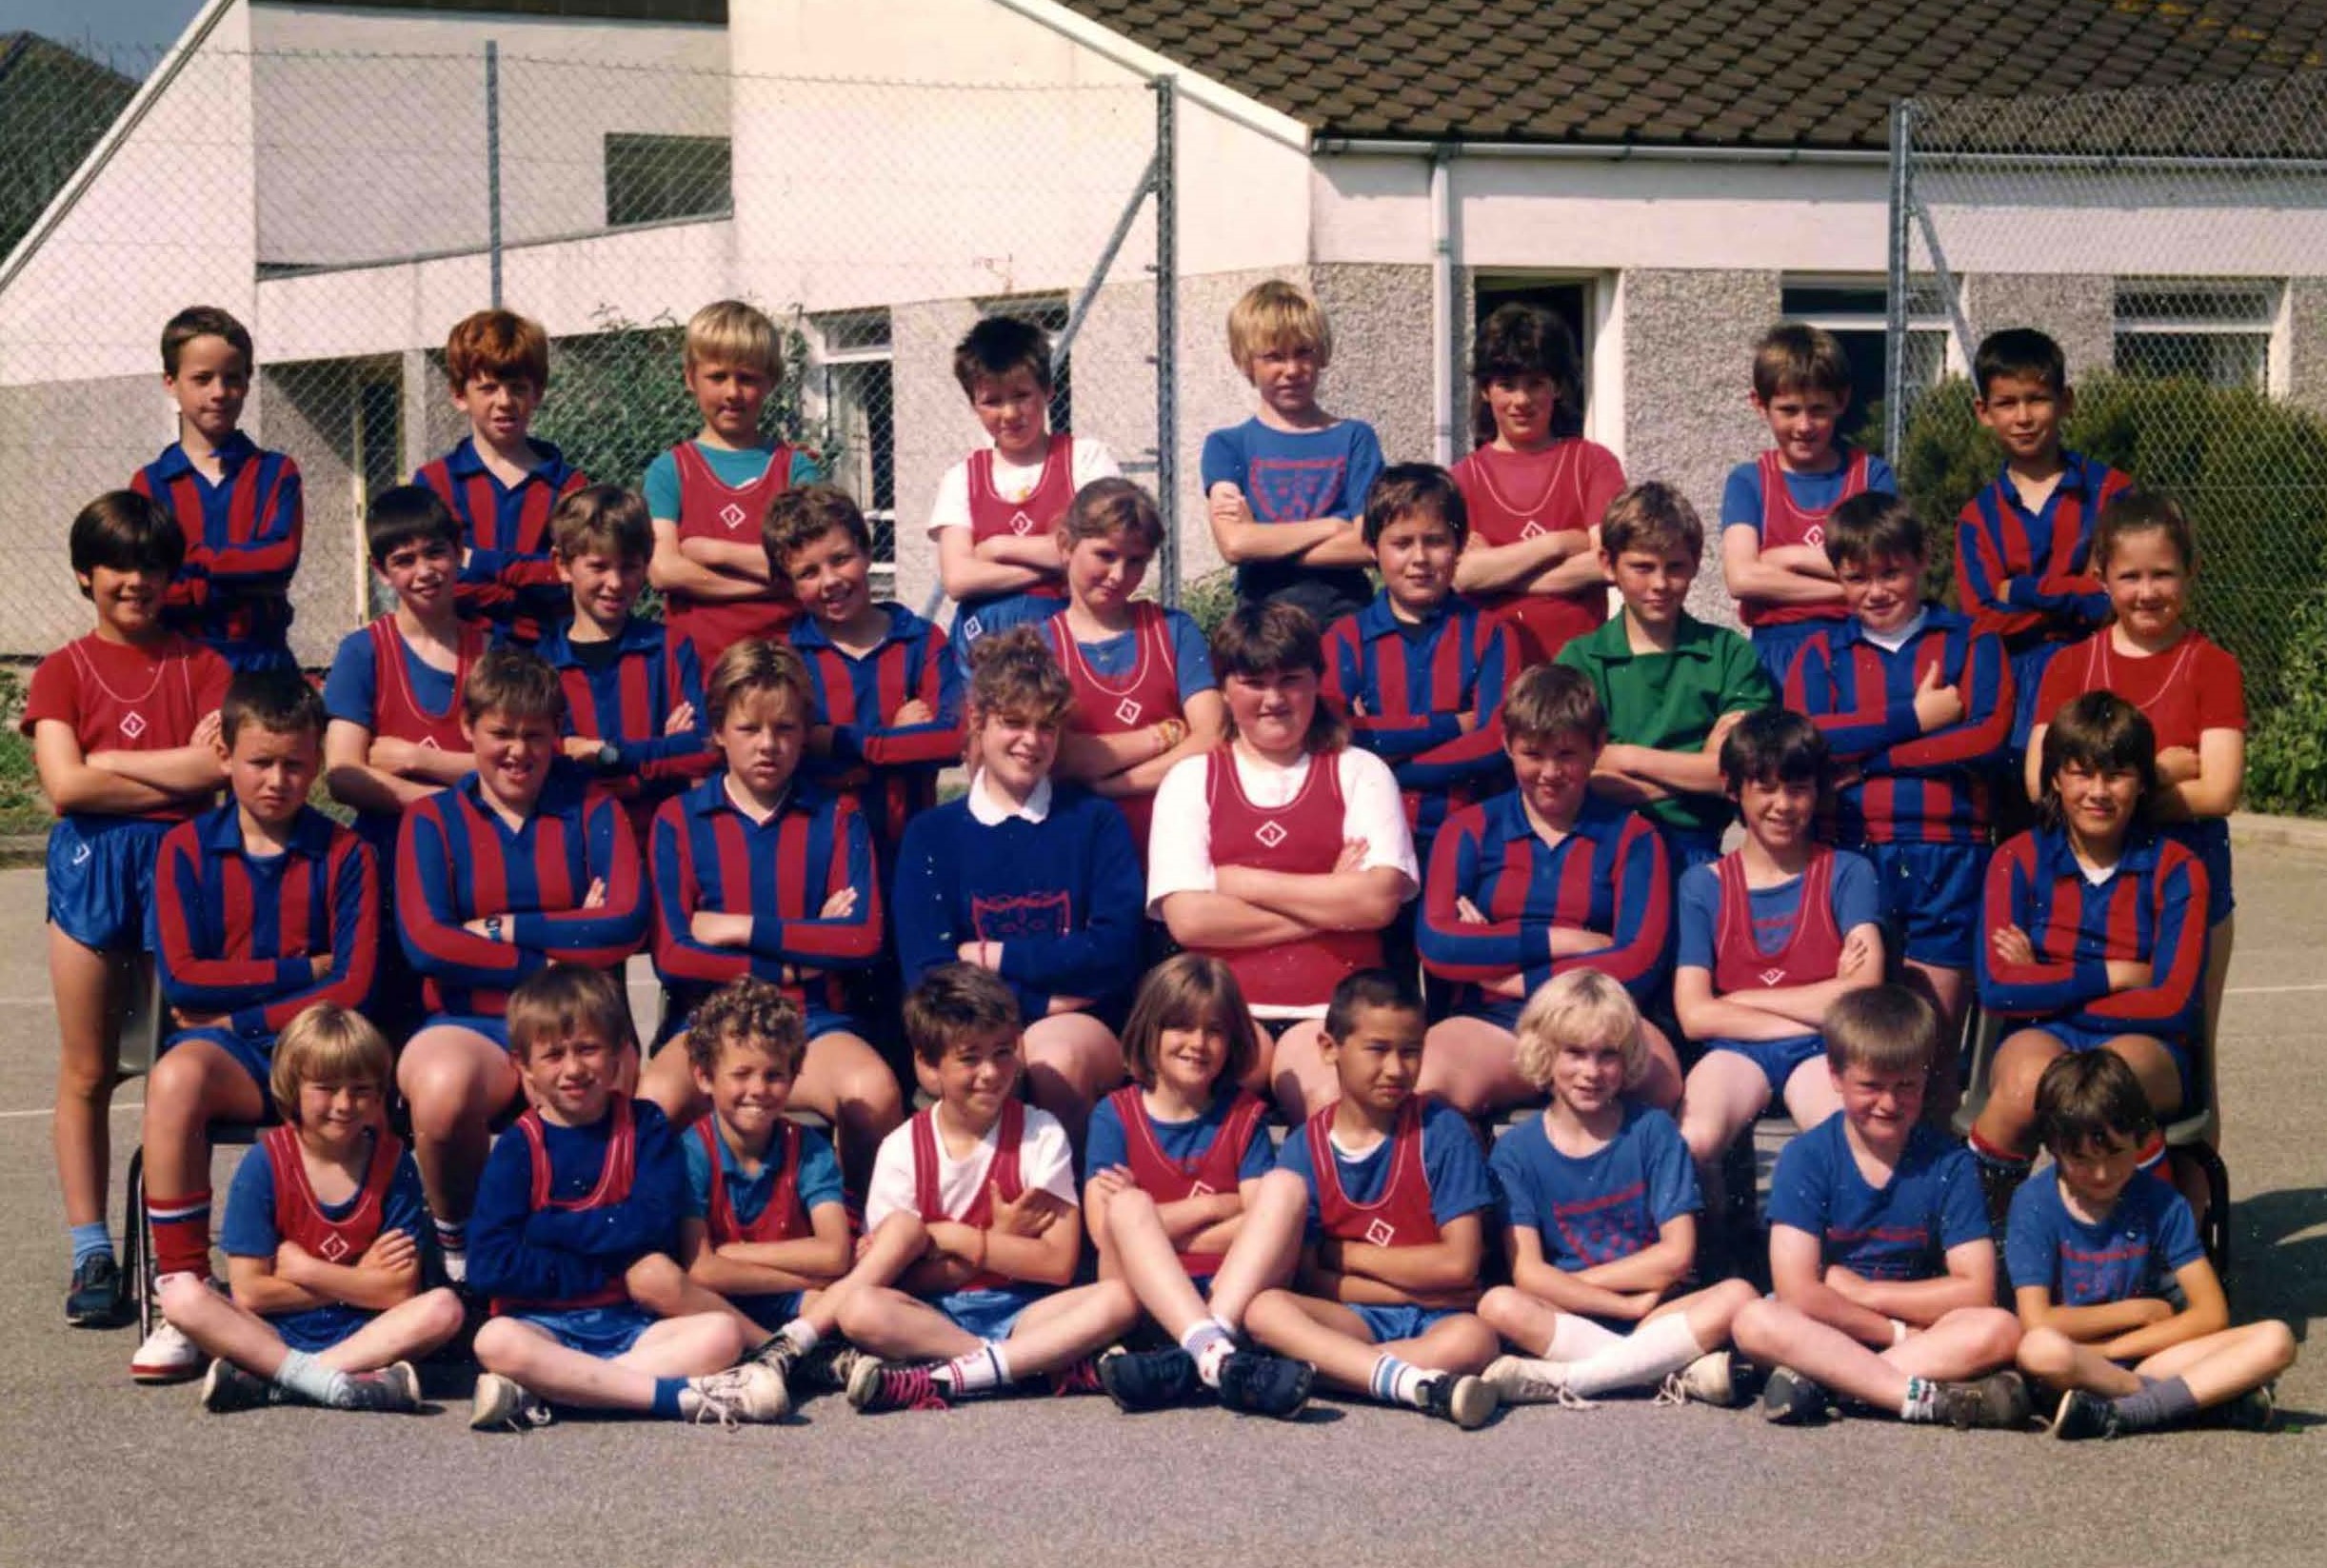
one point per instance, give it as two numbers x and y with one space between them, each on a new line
1394 860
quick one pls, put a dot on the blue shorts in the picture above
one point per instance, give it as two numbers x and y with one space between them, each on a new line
1931 899
1388 1323
2210 840
319 1328
2084 1037
1775 1057
605 1332
101 879
2027 680
253 1054
1687 847
494 1029
987 1314
1775 646
770 1312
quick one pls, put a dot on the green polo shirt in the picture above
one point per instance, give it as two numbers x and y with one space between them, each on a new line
1669 702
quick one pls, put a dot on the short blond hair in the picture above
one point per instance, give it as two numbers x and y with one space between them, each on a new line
327 1043
1276 315
1582 1007
731 333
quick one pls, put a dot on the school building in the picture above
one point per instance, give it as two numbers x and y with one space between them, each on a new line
1671 177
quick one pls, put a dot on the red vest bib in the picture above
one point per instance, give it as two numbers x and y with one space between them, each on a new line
1542 623
615 1179
1786 521
782 1219
299 1215
1010 1136
1166 1179
709 510
2168 698
991 516
1400 1217
395 707
1103 707
1813 949
1304 836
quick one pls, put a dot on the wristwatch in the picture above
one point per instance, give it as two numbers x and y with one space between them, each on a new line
493 928
609 755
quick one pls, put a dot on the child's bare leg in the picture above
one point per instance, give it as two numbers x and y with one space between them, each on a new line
1810 1097
1461 1344
2223 1365
667 1080
658 1284
677 1347
1727 1091
1059 1330
1967 1342
898 1327
2059 1362
1325 1334
407 1330
1147 1263
896 1244
1300 1082
85 983
1071 1059
1469 1063
1949 990
844 1080
2008 1119
220 1328
1265 1251
1712 1312
1660 1081
1777 1335
1261 1077
194 1084
455 1081
2219 940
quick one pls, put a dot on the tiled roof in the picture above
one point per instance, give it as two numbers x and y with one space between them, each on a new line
1812 73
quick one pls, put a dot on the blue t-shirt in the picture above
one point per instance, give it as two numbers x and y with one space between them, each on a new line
734 467
1186 1142
249 1231
1605 1205
1742 493
1901 1231
2146 1237
1298 476
351 690
747 1196
1856 894
1451 1163
1115 658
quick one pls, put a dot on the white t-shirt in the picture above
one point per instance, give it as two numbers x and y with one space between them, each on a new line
1044 1160
1092 459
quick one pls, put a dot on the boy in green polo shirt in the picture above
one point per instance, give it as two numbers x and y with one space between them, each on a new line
1672 686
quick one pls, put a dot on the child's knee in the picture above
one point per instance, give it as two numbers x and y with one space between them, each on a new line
904 1230
2046 1354
1993 1333
1129 1213
2278 1339
1732 1297
1501 1308
441 1314
1268 1312
1760 1326
181 1295
500 1345
656 1283
869 1094
863 1313
1468 1343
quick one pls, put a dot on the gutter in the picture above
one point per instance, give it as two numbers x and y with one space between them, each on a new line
1610 152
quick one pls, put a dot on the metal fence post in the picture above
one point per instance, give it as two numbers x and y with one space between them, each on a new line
1167 331
1895 318
492 160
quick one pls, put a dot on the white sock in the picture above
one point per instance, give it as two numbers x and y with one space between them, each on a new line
983 1368
303 1375
1921 1401
1575 1338
1396 1383
799 1335
1639 1360
1211 1342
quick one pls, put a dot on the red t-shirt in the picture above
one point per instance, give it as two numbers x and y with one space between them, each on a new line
2191 687
124 697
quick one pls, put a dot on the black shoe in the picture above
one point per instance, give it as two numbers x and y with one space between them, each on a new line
2256 1410
1470 1402
1791 1399
2082 1415
229 1388
395 1390
775 1351
823 1370
1998 1402
1256 1383
95 1300
1149 1379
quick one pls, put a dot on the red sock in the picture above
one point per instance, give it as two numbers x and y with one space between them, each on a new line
181 1232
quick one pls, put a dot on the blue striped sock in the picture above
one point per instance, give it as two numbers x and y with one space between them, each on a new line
1396 1383
90 1240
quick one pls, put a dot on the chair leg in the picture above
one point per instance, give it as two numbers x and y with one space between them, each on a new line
137 1241
2217 1206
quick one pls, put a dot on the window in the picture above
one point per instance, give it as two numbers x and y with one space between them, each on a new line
661 179
861 409
1858 313
2216 332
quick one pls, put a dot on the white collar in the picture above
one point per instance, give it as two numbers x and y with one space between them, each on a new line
988 811
1891 642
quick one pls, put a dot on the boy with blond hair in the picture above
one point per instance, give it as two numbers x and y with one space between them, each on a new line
1286 489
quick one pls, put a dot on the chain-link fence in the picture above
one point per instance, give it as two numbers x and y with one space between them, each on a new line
351 208
2174 243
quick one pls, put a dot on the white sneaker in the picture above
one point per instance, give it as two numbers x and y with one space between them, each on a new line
753 1392
1706 1380
1525 1379
503 1402
167 1356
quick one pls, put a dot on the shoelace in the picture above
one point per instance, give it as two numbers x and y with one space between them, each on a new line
912 1389
1082 1378
1671 1392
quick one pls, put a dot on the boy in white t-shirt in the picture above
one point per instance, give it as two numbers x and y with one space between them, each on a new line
996 509
990 1182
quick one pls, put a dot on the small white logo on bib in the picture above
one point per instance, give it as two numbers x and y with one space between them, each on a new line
1771 977
1380 1234
429 742
132 724
1817 534
1128 711
1021 524
1270 833
732 516
1199 1189
335 1247
1533 529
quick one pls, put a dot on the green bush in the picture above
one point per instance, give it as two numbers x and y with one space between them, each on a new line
2252 474
2286 751
1208 599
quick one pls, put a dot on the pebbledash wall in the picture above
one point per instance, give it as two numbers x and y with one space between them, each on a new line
1683 265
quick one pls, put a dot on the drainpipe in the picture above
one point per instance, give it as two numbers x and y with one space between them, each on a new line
1442 304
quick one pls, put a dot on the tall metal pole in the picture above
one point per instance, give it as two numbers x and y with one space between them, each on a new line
1168 331
492 160
1895 316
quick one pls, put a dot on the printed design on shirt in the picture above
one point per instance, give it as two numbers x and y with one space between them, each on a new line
1815 535
1286 489
1021 915
429 742
132 724
2112 1274
333 1247
972 629
1770 976
1271 833
732 516
80 855
1904 1249
1200 1188
1601 1230
1021 524
1533 529
1128 710
1380 1233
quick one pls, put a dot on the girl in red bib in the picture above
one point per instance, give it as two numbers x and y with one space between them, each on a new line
1285 852
1534 487
1145 696
324 1237
2190 689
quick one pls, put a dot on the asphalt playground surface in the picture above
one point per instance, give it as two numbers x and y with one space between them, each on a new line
97 1470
